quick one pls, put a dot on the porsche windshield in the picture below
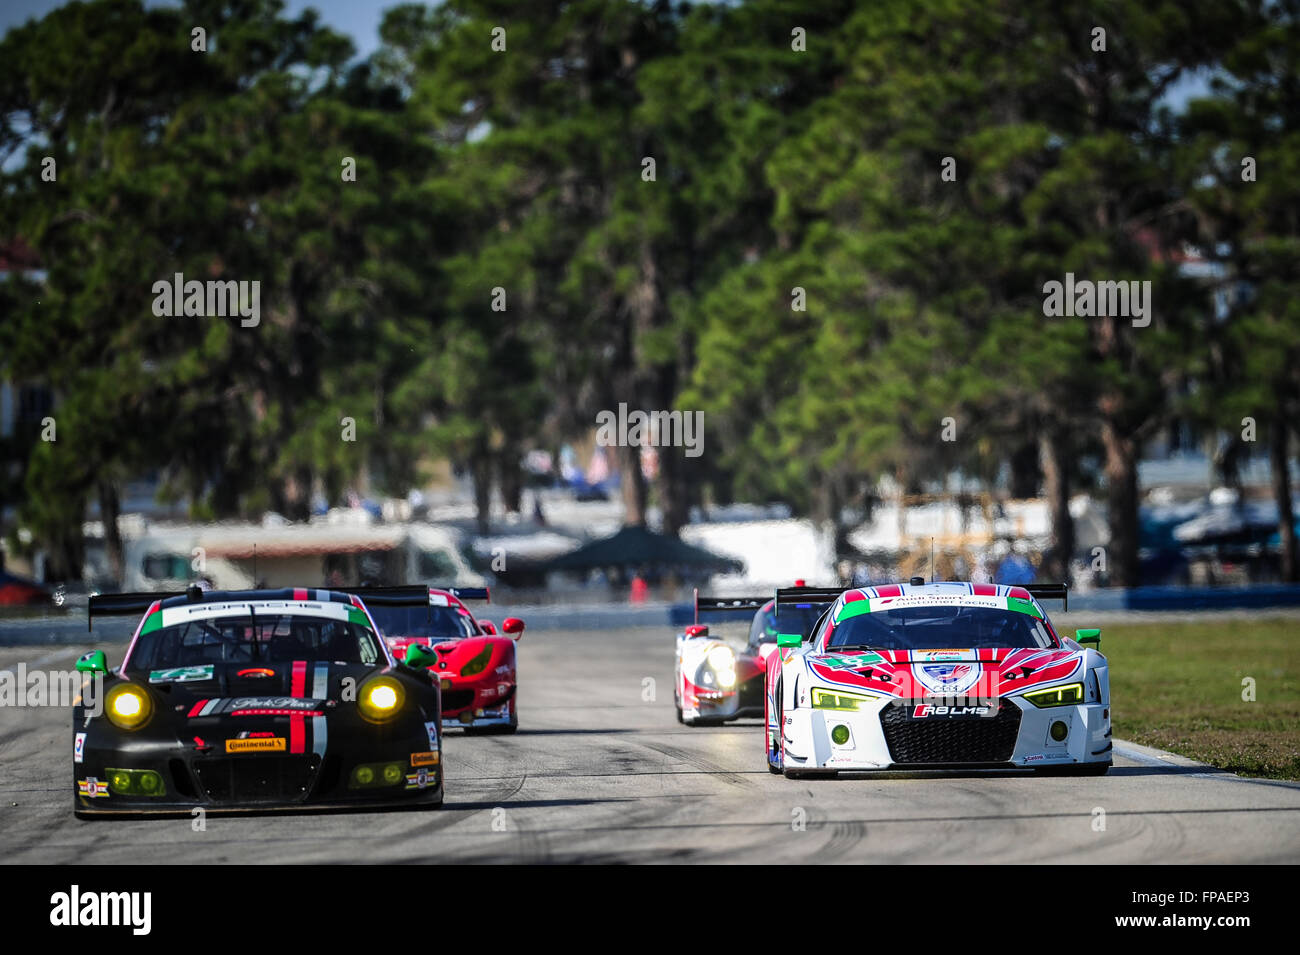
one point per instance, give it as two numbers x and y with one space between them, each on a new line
256 637
438 623
944 627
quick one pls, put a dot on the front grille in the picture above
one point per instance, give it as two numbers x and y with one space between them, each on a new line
935 739
456 699
257 779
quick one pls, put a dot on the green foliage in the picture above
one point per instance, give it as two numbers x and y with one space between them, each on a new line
777 170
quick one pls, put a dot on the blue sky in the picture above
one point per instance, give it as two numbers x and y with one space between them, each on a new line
357 18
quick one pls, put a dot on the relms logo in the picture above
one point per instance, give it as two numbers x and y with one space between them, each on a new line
77 908
923 710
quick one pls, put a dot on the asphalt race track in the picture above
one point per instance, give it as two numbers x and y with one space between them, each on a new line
598 774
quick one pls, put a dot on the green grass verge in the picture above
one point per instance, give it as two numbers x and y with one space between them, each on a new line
1179 687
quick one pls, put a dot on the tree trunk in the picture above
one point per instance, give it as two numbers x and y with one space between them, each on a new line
1122 506
1279 447
1056 488
510 480
1025 471
480 470
110 508
633 486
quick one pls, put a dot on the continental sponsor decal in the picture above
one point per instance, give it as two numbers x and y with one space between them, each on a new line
424 759
92 787
265 744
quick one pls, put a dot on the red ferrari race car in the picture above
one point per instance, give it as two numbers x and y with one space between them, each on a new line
714 683
475 665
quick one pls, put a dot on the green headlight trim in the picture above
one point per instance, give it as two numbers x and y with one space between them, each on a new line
834 700
479 663
135 782
1066 695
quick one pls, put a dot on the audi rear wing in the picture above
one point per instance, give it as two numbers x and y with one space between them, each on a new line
122 605
807 595
1059 592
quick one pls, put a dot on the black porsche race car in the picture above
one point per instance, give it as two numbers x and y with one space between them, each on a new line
254 700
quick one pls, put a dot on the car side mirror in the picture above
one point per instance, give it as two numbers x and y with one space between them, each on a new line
513 625
419 657
789 639
488 627
92 662
1089 637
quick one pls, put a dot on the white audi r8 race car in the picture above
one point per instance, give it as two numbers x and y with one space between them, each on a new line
939 675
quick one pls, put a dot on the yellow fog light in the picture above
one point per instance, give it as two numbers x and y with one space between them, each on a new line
380 699
128 706
363 776
392 773
1059 731
135 782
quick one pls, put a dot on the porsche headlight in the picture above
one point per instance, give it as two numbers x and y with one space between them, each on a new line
381 699
479 663
1065 695
128 706
838 699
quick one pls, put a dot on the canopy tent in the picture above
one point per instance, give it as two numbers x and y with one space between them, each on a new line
639 547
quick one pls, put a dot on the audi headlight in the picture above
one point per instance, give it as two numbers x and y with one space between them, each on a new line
838 699
1065 695
128 706
381 699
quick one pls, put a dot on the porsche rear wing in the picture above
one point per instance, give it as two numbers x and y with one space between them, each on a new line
122 605
1059 592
